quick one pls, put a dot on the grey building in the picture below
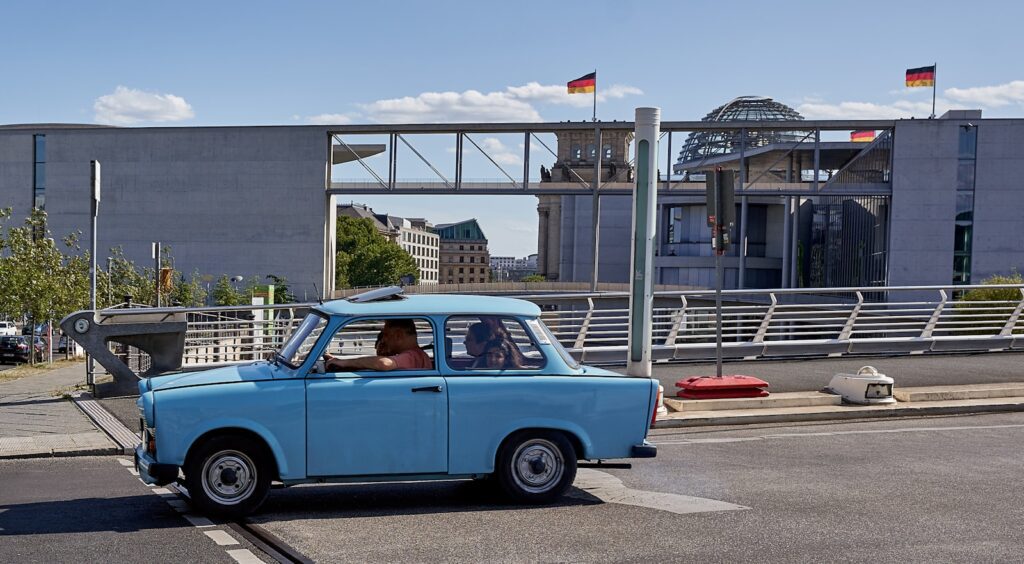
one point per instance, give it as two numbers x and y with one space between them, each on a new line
931 202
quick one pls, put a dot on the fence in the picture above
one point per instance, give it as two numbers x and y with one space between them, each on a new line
756 324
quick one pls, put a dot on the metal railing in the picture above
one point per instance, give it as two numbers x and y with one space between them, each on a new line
781 323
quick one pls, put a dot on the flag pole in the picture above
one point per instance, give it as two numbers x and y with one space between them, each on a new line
935 77
594 118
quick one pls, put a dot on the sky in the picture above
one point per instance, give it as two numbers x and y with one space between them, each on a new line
258 63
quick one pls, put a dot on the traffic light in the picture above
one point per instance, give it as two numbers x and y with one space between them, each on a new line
721 202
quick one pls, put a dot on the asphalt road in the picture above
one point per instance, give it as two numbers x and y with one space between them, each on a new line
914 490
92 509
815 374
910 490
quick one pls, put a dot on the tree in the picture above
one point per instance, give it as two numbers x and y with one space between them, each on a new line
225 294
987 317
282 293
39 280
365 257
534 278
189 293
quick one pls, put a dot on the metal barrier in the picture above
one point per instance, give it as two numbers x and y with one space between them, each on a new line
756 324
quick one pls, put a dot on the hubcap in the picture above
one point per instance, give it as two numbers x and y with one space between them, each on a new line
229 477
537 466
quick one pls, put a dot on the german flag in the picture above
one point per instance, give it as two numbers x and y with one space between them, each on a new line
862 136
583 85
922 76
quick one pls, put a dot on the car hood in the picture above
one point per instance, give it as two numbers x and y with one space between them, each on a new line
226 375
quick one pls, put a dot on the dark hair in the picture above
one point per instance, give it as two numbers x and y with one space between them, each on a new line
407 326
481 332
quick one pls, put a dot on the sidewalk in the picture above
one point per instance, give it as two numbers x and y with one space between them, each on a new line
36 420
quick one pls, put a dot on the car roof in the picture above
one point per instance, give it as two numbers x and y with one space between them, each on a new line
433 305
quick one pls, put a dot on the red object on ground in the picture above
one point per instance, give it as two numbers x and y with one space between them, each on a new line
710 387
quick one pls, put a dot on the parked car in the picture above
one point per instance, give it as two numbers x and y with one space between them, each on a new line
16 349
27 329
8 328
522 418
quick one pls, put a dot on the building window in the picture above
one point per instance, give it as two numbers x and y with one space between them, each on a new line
576 153
606 152
461 259
461 271
471 271
963 230
39 172
591 151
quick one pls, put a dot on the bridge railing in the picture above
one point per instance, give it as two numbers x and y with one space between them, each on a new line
780 323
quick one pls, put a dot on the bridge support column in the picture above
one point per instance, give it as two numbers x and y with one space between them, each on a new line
645 205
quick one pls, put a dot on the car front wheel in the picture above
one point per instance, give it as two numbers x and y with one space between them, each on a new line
536 466
229 476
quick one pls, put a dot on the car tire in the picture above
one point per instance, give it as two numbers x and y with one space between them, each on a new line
228 476
536 467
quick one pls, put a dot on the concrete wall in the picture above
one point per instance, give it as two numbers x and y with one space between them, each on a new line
576 252
233 200
998 199
923 202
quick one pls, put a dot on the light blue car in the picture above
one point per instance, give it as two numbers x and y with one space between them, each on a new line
515 408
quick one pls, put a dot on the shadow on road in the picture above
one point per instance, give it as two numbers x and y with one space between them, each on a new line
89 515
345 501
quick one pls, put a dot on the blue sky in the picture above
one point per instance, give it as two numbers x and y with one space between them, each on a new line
235 63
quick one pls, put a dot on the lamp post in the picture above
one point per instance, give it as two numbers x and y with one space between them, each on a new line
95 208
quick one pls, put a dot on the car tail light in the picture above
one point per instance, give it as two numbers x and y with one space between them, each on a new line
22 346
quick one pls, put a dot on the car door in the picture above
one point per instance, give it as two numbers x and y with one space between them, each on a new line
368 423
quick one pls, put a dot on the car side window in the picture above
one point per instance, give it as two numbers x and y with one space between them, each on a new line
490 342
367 337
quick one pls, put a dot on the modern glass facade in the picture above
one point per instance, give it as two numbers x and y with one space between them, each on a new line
39 172
964 224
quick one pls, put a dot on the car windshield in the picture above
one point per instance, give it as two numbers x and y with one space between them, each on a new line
297 347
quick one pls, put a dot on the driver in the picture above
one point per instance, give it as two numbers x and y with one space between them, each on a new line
397 349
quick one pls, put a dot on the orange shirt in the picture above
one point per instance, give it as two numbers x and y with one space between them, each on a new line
412 359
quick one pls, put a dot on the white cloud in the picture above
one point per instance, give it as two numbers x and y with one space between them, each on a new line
869 110
515 103
329 119
499 152
128 106
990 96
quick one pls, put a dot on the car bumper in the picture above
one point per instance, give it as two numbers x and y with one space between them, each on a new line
646 450
153 472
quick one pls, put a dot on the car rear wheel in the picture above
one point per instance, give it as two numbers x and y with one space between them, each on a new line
536 466
228 476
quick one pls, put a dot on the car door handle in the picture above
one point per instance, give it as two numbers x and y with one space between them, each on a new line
435 389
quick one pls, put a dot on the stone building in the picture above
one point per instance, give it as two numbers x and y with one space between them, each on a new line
463 253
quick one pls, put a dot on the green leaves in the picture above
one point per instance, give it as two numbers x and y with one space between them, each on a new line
365 257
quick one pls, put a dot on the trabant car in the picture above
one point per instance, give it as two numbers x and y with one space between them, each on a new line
521 419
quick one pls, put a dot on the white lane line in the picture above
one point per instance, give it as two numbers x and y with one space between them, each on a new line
163 491
243 556
220 537
178 505
132 471
832 434
197 521
126 462
610 489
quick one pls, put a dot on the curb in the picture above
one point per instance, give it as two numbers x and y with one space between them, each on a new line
123 437
846 412
106 451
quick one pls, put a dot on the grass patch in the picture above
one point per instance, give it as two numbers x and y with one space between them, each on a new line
26 370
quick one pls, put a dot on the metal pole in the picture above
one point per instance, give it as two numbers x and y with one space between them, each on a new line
596 211
110 284
645 205
594 117
742 274
793 244
94 166
156 259
526 161
935 79
787 218
718 298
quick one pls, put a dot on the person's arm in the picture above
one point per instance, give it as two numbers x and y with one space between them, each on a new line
382 363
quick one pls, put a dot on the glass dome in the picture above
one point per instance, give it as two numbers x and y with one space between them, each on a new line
702 144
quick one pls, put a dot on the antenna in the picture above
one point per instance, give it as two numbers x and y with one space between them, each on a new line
318 298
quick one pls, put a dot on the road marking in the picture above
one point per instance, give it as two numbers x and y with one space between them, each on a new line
833 434
610 489
178 505
125 462
163 491
221 537
197 521
243 556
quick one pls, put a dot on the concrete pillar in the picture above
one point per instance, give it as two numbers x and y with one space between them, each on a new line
645 205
